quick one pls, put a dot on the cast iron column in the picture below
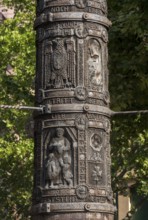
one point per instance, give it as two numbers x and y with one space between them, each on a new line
72 138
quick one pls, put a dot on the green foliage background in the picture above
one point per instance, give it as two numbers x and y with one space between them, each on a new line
128 67
128 52
17 41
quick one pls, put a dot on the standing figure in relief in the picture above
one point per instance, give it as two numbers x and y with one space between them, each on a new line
94 62
59 147
59 75
67 174
52 171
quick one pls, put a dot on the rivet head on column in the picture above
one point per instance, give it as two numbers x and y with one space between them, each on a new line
85 16
86 108
87 207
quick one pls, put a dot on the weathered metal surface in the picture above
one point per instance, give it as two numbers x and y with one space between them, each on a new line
72 140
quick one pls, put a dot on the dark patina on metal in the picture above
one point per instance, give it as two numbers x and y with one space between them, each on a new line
72 138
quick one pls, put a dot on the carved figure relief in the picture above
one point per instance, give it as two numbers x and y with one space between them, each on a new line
53 170
60 64
95 64
67 174
58 163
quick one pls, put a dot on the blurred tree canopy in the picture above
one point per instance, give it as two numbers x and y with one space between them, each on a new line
128 66
128 52
17 40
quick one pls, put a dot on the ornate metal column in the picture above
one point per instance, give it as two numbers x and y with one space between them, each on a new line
72 139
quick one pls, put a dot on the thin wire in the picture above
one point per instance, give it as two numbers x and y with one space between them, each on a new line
129 112
21 107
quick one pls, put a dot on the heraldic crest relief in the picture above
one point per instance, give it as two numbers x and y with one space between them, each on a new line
60 72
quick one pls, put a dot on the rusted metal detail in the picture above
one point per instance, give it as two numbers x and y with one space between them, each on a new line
72 136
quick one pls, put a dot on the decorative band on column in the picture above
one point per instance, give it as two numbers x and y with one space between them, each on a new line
72 207
71 16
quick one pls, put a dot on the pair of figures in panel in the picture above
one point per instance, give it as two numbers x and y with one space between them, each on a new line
58 163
